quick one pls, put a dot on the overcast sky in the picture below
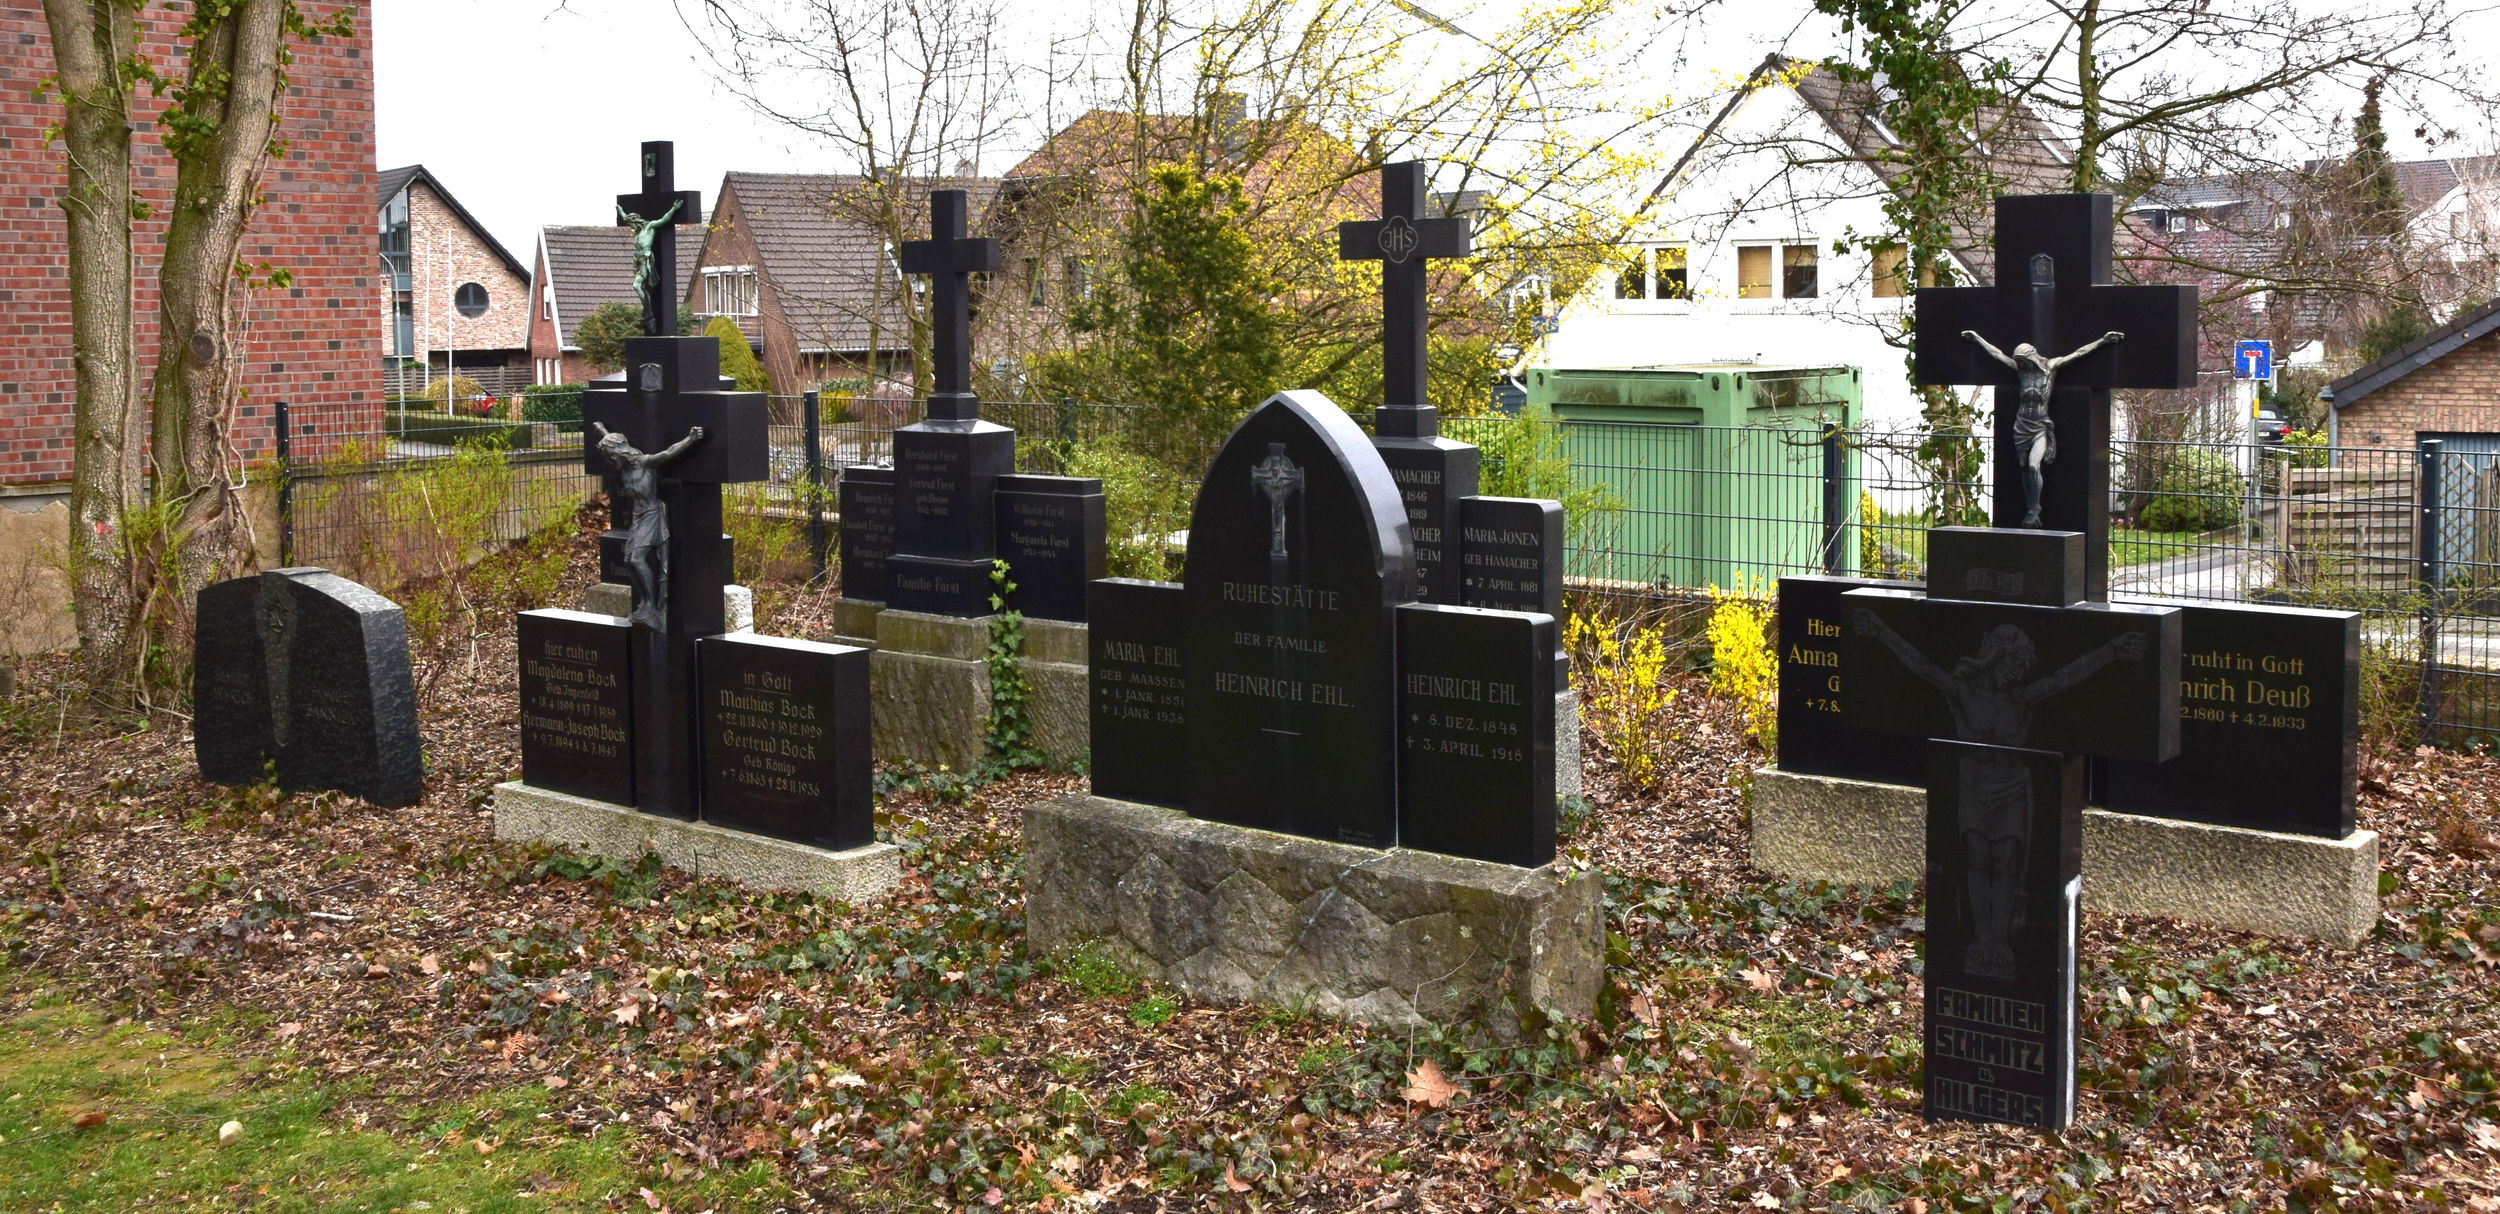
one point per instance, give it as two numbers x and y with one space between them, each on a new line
532 112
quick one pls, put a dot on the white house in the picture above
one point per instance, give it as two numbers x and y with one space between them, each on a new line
1739 245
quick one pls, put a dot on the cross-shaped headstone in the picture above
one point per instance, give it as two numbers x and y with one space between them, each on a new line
654 214
1277 477
2051 294
1404 242
949 258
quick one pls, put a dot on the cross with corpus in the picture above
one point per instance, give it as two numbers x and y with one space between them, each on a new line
1404 243
2052 293
683 432
949 258
654 215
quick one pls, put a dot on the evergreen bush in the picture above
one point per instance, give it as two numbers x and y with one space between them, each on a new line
2199 491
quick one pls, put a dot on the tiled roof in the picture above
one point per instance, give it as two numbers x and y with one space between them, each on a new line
2414 355
829 269
590 266
390 182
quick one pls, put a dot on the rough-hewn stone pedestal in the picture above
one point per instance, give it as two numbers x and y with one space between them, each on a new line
1230 913
931 683
595 828
1827 829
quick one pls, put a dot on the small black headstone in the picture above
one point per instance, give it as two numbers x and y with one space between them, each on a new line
577 704
1050 532
311 671
1814 737
1476 708
1433 475
938 585
785 740
2269 714
2004 886
1139 710
944 472
1511 552
1298 559
2002 565
865 498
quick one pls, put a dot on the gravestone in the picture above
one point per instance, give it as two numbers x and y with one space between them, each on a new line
1511 559
1298 559
1050 531
577 704
865 499
1136 693
785 740
308 671
1815 736
947 465
1433 474
2269 718
1476 706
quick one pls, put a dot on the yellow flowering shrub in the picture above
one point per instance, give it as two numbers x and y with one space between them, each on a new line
1622 692
1745 665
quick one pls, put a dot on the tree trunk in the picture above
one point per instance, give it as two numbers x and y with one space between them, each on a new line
235 76
91 39
2088 88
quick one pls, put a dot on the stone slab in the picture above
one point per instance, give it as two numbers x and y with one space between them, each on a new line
931 687
616 598
855 622
1233 913
1824 828
534 815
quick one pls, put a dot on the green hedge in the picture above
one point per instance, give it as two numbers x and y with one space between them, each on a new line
2199 491
559 403
446 430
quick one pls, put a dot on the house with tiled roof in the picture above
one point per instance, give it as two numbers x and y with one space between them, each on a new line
1732 259
577 269
803 265
453 299
2444 385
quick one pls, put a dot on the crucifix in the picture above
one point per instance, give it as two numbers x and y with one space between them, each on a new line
670 432
1277 477
2053 337
950 258
1432 472
652 215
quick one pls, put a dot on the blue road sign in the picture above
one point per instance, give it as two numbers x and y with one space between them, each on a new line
2254 360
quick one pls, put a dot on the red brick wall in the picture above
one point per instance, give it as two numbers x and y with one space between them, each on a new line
2459 394
314 345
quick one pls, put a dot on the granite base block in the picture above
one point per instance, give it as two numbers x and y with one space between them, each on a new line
1387 937
1823 828
616 598
931 687
535 815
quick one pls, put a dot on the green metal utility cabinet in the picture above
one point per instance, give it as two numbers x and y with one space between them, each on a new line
1719 467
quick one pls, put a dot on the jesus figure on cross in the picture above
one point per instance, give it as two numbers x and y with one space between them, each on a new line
2035 375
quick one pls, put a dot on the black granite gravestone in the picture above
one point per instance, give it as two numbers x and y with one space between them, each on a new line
654 215
2269 714
865 498
1298 558
308 671
1476 711
1050 532
1815 736
1138 703
785 740
577 704
2004 891
1510 554
947 464
1432 473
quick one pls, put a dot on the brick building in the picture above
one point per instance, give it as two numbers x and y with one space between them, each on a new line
455 299
578 269
311 344
2445 385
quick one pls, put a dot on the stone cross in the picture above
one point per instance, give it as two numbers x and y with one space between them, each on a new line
2051 292
1404 242
1276 476
949 258
654 215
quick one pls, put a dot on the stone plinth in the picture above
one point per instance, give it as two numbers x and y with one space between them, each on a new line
1231 913
595 828
1823 828
617 598
932 683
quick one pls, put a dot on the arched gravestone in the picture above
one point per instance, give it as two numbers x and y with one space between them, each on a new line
1299 556
308 670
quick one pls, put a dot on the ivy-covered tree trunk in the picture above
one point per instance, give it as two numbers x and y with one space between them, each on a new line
91 40
227 116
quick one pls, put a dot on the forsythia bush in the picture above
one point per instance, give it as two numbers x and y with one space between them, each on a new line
1621 693
1870 545
1745 666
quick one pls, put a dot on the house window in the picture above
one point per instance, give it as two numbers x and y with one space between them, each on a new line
403 327
1753 271
731 290
547 307
1892 271
1033 286
1655 272
1080 279
1800 271
470 299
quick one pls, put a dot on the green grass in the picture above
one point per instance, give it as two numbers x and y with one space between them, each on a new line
2128 546
163 1099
